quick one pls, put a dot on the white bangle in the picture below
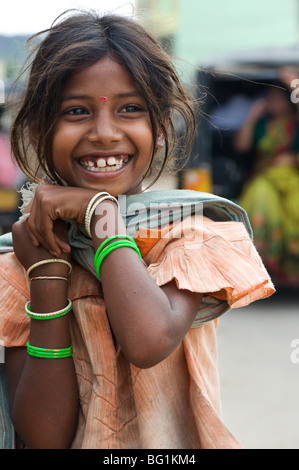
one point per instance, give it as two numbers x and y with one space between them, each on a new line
91 208
91 202
45 261
54 278
56 314
87 217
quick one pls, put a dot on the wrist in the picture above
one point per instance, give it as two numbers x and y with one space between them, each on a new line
49 283
93 205
48 295
106 222
52 332
111 244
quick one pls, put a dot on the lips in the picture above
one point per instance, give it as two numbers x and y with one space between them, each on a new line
103 164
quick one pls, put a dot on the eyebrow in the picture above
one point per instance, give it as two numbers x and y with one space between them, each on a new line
129 94
74 97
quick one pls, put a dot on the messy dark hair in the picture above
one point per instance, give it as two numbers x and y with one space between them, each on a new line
77 40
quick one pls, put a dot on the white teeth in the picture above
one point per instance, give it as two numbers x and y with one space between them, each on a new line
111 161
102 165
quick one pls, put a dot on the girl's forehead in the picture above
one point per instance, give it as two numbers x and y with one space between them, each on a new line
105 74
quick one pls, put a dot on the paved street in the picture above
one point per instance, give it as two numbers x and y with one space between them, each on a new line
259 379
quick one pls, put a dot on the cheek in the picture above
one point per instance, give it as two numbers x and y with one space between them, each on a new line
62 145
61 137
57 141
143 139
144 160
61 165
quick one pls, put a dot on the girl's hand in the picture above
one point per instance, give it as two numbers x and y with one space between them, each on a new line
50 203
28 254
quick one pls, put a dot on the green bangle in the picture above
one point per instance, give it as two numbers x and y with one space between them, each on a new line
126 237
112 247
50 315
46 353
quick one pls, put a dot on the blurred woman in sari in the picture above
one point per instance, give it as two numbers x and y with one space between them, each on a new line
271 194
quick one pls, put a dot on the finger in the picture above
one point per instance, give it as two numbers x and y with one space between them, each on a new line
44 235
34 240
32 237
61 236
40 227
65 247
49 240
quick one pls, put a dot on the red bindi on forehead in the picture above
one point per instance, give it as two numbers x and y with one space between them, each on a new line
103 98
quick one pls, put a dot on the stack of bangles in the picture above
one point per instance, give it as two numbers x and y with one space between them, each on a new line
114 242
117 241
92 205
45 352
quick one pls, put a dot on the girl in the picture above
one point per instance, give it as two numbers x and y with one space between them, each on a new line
109 302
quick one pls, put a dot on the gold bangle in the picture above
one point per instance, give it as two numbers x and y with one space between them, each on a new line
54 278
90 211
45 261
92 200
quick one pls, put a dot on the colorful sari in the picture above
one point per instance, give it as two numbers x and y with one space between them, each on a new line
271 200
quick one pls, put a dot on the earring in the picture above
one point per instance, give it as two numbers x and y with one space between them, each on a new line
161 141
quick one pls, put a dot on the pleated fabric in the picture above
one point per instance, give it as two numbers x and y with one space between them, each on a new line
175 404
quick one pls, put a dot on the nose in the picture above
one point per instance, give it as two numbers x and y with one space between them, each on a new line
104 129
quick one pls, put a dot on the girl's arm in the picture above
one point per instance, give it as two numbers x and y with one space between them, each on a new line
148 321
43 393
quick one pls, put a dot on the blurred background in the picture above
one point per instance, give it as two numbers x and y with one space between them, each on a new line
241 62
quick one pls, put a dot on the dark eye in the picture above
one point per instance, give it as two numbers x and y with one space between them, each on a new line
131 108
76 111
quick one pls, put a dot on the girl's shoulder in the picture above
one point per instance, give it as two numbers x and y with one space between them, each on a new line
190 232
159 208
217 259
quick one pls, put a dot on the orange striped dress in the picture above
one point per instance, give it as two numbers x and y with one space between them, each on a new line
175 404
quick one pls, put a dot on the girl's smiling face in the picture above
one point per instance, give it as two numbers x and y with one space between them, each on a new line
98 143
